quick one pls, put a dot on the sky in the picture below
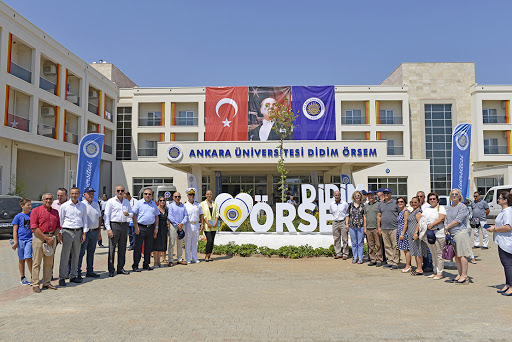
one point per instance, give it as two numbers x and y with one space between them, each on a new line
167 43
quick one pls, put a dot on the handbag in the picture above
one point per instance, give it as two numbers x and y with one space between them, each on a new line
474 222
448 248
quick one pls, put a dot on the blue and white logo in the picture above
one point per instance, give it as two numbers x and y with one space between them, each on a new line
345 179
174 153
462 140
167 194
313 108
91 148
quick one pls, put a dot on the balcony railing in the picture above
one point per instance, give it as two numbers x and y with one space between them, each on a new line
147 152
18 122
107 149
391 120
495 149
72 138
73 98
47 85
46 130
149 122
21 72
192 121
495 119
395 151
352 120
93 108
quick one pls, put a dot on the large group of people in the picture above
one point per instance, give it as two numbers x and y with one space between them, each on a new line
420 229
154 230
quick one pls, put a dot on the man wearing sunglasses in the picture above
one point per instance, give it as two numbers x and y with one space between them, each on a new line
387 224
145 221
480 212
195 217
177 215
117 212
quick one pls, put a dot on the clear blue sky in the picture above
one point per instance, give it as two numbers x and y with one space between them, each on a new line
212 43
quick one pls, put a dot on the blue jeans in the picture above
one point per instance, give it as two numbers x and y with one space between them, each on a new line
89 244
357 239
131 234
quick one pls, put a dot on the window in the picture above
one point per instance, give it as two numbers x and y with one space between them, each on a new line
484 184
387 117
438 137
491 116
150 119
352 117
139 183
205 187
186 118
398 185
491 147
124 133
149 149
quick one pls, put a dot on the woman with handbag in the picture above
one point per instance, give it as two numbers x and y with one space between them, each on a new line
355 222
503 237
210 221
417 247
402 236
435 214
455 224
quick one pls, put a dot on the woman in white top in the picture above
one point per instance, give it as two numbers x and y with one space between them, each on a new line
503 237
435 215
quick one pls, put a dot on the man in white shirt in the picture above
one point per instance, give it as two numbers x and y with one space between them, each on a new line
73 220
423 203
131 226
192 227
62 197
338 209
93 233
117 212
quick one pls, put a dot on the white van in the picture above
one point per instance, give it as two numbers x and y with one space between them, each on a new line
491 197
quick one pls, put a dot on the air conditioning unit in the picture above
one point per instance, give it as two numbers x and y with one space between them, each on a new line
49 69
93 94
47 112
91 128
73 99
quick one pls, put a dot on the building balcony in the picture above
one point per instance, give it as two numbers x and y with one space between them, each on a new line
395 151
18 122
93 108
495 149
46 130
191 121
495 119
108 149
150 121
391 120
21 72
352 120
75 99
147 152
71 138
47 85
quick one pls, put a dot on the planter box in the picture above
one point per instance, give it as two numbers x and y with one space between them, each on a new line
275 240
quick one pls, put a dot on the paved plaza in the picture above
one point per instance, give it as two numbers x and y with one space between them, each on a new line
258 299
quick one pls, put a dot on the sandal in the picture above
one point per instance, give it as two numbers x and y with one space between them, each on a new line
463 282
414 273
405 270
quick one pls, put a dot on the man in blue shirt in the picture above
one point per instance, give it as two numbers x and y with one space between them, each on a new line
145 221
177 215
22 237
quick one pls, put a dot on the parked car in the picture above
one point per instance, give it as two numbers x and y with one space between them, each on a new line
491 197
9 207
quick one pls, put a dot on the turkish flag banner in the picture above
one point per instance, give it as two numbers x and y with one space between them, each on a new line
226 113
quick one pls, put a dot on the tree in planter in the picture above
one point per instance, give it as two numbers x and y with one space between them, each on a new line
283 118
18 187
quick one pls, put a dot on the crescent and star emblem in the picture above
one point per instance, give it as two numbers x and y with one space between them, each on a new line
226 101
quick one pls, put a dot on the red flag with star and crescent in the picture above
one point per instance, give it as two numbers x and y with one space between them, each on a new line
226 113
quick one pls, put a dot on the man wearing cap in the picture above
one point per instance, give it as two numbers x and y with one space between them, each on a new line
387 223
92 233
117 211
145 221
364 199
338 209
371 210
380 195
45 225
73 220
192 227
177 215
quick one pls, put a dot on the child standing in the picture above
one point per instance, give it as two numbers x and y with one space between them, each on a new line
22 237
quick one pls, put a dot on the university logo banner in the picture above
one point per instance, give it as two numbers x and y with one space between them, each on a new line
316 118
226 113
89 160
260 127
461 146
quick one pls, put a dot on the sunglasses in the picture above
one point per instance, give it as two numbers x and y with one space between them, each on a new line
475 196
501 198
454 195
400 202
146 194
386 193
177 196
161 200
432 199
119 190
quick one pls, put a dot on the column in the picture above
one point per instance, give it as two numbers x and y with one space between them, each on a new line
198 173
